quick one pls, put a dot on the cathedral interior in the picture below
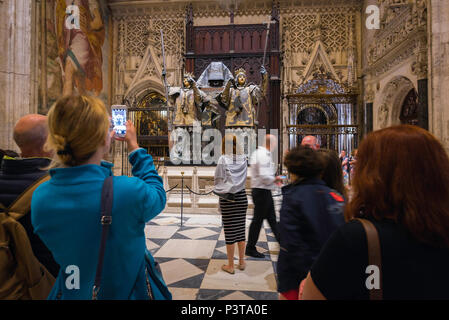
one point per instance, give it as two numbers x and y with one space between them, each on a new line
337 69
331 74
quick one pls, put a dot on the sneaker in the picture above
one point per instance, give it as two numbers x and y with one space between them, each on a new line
254 253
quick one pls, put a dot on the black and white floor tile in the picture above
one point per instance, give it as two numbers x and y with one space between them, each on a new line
191 257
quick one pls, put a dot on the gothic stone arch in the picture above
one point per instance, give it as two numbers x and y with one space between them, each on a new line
393 97
141 89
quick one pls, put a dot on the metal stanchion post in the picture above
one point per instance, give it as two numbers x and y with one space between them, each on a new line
182 194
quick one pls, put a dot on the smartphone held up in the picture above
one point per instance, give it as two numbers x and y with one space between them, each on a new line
119 113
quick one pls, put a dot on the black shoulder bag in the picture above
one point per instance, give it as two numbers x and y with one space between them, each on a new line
107 196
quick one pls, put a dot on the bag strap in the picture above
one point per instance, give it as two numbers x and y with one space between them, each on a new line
107 196
374 254
22 204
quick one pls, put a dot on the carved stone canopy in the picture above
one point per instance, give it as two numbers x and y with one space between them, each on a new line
319 63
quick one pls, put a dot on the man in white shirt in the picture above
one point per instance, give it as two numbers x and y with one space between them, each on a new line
263 180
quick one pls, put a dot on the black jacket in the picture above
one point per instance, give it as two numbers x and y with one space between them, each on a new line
15 176
310 213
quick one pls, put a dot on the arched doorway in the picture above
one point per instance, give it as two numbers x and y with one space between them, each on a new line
148 112
398 92
150 118
409 110
312 115
153 120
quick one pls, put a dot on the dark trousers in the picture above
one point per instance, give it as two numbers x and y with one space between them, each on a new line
263 209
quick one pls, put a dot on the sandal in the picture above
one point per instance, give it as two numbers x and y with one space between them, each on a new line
242 266
225 269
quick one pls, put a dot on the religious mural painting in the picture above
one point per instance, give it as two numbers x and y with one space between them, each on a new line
75 60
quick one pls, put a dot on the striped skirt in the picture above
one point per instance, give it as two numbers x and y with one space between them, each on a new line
233 215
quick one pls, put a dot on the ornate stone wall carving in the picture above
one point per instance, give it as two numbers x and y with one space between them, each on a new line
402 35
439 64
397 51
297 32
332 26
303 22
392 100
138 54
135 37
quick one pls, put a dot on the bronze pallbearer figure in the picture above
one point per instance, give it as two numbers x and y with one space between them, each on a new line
241 99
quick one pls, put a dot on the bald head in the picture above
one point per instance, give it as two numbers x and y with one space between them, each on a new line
271 142
30 134
310 141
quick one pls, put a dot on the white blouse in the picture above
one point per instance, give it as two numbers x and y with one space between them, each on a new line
230 174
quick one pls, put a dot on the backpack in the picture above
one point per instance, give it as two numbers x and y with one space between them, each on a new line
22 276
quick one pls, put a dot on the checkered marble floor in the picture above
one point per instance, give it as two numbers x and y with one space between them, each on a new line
191 257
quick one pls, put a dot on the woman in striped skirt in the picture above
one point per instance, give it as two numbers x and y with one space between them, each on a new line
230 182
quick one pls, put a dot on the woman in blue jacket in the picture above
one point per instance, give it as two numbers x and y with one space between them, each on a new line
310 213
66 209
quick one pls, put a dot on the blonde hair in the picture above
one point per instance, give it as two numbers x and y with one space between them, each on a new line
77 126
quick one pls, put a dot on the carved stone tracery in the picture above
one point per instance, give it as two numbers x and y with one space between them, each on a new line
402 35
318 38
399 44
393 97
138 52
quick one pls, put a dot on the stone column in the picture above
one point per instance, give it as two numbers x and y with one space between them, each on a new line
17 65
438 33
423 104
420 69
368 112
368 117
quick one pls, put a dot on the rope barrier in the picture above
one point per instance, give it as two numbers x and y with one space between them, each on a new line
199 194
167 191
207 193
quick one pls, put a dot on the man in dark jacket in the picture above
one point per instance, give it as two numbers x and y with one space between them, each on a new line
310 213
17 174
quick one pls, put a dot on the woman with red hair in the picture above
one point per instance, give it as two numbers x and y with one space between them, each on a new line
401 185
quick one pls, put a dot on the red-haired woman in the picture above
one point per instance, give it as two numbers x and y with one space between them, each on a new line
401 184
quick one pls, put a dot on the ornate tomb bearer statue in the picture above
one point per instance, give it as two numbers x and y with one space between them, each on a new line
187 102
240 99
